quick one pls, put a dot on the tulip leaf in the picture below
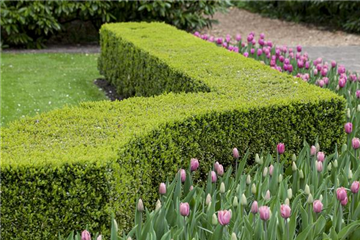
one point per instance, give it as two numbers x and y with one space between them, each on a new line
333 234
304 218
319 226
349 229
304 233
218 232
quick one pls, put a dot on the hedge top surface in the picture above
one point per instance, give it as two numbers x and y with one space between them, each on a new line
95 131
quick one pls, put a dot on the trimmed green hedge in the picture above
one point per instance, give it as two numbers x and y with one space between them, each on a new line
70 167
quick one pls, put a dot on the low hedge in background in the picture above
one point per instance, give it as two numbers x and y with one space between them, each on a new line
343 15
31 23
202 101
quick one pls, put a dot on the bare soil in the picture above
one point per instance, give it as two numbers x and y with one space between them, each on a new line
278 31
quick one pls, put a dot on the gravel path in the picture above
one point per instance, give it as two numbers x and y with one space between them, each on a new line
279 32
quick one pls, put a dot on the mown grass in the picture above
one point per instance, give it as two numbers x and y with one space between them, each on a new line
39 82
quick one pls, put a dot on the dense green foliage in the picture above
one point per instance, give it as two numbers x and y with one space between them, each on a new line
344 15
31 23
36 83
135 143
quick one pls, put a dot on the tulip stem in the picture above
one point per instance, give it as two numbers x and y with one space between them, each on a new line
278 157
340 217
185 227
265 230
236 166
287 229
352 206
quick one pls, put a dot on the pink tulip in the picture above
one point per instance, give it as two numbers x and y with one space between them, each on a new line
235 153
271 170
246 54
341 194
341 69
315 72
264 213
317 206
253 42
261 42
259 52
290 68
191 188
194 164
224 217
348 127
333 64
324 72
213 176
313 151
307 65
250 38
162 188
182 175
269 44
319 166
353 77
184 209
254 207
262 35
326 80
358 94
320 156
321 83
238 37
220 170
197 34
355 187
342 82
281 147
227 38
355 143
344 202
216 165
285 211
219 40
85 235
99 237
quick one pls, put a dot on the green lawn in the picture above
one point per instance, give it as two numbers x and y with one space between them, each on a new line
35 83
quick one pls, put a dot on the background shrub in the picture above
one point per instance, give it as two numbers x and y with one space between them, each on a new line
344 15
31 23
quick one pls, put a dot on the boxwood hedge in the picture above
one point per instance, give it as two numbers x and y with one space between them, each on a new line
71 167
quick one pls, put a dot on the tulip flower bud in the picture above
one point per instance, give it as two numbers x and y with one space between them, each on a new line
307 189
355 187
191 188
236 153
280 178
265 171
285 211
350 174
213 177
294 167
194 164
222 187
253 189
162 188
235 201
85 235
287 202
293 157
99 237
220 170
317 206
344 202
355 143
261 160
319 166
224 217
310 199
348 127
343 147
208 199
140 206
348 113
243 200
289 193
129 238
301 174
271 170
157 206
267 195
248 180
264 213
257 158
214 220
320 156
335 163
329 167
216 165
182 175
313 151
254 207
358 108
281 148
317 146
184 209
233 236
321 197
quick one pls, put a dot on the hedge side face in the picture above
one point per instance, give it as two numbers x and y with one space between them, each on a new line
198 100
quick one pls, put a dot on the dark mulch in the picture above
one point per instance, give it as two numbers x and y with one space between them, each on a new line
109 89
